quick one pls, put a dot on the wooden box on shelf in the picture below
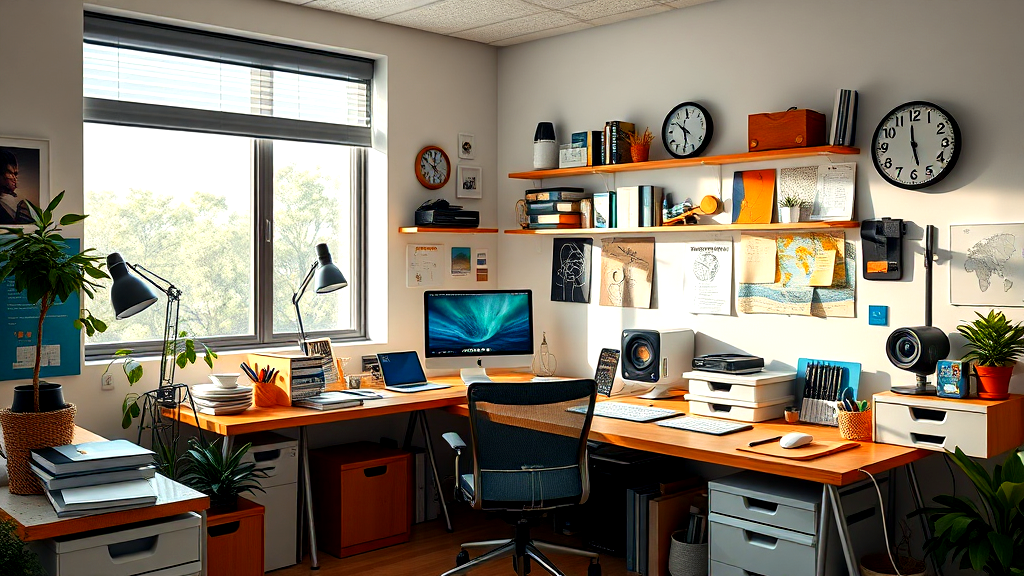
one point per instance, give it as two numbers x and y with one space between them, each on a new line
790 129
234 541
364 497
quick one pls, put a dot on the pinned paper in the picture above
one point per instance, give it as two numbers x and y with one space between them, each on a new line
824 267
758 254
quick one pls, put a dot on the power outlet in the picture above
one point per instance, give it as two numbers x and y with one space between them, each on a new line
107 381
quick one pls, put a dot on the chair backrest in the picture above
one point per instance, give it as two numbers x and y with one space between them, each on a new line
529 449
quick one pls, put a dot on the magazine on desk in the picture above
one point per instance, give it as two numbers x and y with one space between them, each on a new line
329 401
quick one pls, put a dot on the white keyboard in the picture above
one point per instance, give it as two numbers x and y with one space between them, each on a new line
631 412
705 425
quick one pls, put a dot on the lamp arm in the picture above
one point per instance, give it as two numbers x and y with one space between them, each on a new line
295 302
170 342
170 290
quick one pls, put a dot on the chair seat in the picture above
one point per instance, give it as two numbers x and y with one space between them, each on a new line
466 483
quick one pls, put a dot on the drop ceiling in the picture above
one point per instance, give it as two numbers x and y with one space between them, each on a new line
498 22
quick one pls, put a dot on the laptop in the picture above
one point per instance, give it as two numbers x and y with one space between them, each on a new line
402 372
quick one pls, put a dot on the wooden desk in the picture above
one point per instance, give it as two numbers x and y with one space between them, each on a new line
35 519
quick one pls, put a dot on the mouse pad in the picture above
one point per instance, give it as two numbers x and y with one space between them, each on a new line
815 449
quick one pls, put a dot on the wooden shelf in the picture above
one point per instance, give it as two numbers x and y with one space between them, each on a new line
684 162
428 230
694 228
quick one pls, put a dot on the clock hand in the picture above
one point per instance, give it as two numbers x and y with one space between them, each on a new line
913 145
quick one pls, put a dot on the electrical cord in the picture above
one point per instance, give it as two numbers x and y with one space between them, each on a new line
885 529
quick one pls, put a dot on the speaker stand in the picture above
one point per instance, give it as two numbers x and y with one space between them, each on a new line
921 389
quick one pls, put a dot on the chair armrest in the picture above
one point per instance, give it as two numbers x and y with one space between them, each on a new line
454 440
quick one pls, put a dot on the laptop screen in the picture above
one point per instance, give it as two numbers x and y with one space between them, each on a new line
401 368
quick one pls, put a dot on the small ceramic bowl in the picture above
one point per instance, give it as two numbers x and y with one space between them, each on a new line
228 380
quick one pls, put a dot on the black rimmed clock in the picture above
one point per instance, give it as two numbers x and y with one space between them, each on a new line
687 130
916 145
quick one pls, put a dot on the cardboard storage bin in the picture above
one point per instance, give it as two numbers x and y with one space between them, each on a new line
789 129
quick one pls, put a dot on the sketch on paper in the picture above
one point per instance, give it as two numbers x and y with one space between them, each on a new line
570 270
627 272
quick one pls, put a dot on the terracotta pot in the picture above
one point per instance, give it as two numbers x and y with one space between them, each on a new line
640 153
993 381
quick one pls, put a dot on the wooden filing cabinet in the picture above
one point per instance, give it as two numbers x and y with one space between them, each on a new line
362 497
234 541
981 428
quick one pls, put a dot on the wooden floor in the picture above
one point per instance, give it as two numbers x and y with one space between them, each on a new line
432 550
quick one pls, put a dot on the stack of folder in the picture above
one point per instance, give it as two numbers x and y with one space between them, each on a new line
96 477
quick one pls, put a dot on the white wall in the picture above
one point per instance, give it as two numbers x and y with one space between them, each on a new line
436 87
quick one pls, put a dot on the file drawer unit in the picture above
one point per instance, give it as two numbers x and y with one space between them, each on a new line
772 526
234 541
981 428
279 455
363 495
166 547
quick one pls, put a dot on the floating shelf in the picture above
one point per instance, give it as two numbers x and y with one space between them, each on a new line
693 228
428 230
684 162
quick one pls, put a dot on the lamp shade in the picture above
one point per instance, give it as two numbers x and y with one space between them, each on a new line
128 293
328 276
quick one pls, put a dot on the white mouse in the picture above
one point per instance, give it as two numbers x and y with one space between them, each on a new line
795 440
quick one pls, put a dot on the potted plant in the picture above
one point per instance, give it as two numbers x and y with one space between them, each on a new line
790 211
205 468
15 559
989 538
994 345
36 258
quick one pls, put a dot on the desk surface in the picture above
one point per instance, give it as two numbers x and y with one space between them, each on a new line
35 518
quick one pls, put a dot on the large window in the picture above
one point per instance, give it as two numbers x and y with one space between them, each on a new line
218 163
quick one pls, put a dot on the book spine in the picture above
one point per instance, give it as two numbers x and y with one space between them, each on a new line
606 143
613 140
586 207
566 218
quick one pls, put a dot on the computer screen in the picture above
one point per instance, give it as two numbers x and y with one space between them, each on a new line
401 368
478 324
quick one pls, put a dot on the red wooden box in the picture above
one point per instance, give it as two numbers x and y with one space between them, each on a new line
234 542
790 129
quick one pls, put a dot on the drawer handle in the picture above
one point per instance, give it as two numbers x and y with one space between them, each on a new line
928 414
132 550
223 529
719 387
760 540
762 506
720 407
927 439
375 471
266 455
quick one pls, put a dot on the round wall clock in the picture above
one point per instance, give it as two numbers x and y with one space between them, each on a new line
687 130
432 167
916 145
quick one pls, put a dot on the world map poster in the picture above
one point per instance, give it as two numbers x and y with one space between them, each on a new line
986 264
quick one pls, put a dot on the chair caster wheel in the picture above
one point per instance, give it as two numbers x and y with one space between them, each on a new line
462 558
594 569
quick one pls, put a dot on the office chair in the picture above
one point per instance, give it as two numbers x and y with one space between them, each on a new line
529 456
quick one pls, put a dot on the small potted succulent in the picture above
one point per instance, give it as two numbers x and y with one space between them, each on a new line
789 210
994 346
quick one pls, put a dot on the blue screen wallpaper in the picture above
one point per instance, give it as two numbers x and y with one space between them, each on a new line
460 324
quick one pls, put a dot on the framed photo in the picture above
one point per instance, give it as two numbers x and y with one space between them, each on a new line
466 151
24 176
470 184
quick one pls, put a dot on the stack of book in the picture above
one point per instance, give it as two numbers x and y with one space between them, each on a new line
844 118
561 207
629 207
96 477
332 400
298 376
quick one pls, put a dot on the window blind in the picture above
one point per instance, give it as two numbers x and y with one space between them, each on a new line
146 74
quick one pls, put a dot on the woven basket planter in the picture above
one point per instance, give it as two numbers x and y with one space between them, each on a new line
24 431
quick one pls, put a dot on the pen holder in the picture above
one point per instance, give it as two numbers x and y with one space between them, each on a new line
266 394
855 425
686 559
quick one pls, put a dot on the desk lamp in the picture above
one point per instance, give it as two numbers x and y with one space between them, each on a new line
328 279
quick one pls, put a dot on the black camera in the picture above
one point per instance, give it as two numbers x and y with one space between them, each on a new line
917 349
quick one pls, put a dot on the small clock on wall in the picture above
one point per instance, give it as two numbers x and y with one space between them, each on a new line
687 130
433 167
916 145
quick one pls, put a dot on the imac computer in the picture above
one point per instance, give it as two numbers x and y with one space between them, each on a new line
478 329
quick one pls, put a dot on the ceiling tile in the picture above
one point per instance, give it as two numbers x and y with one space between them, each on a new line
449 16
542 34
296 1
686 3
517 27
557 4
600 8
372 9
630 15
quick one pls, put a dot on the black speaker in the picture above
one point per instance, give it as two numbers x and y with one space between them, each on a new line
917 349
641 350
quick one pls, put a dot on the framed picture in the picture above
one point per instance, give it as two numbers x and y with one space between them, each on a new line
470 183
466 147
24 175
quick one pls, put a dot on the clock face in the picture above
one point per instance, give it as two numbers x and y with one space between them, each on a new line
916 145
432 167
687 130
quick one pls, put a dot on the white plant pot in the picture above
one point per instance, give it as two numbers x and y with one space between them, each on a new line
788 215
545 155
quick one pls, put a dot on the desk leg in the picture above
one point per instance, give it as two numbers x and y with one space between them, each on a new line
433 468
202 542
890 507
307 493
410 429
823 530
915 490
844 529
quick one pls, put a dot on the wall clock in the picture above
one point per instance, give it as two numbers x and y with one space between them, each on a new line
432 167
916 145
687 130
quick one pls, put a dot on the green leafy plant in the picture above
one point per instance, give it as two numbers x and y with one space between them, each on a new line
40 267
790 202
988 539
15 559
992 340
206 469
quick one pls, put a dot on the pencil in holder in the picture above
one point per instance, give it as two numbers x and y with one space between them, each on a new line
855 425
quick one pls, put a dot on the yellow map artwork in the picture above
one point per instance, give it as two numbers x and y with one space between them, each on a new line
797 254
